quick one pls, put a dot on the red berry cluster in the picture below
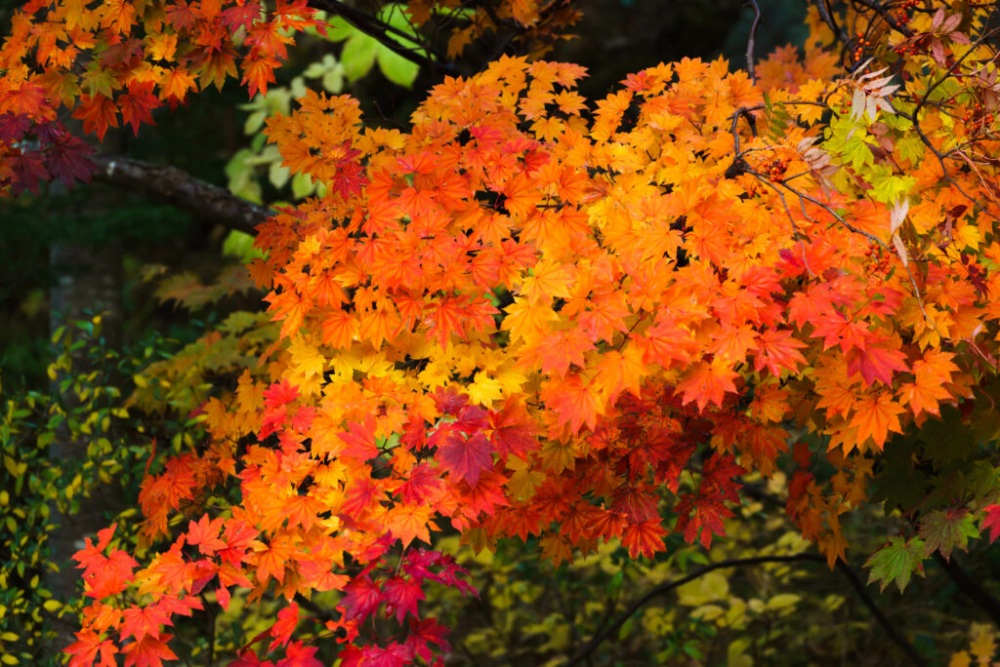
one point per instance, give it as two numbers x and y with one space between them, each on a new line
902 11
775 170
861 43
878 265
978 118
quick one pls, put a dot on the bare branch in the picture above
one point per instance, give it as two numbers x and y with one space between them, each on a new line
174 186
667 586
751 39
880 9
971 588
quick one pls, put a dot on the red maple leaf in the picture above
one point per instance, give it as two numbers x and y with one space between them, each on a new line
360 440
466 458
89 648
104 575
422 485
98 113
513 430
282 630
299 655
644 539
144 622
876 363
149 652
137 104
401 596
427 631
992 521
361 597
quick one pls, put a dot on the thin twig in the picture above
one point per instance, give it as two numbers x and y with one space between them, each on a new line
880 9
751 38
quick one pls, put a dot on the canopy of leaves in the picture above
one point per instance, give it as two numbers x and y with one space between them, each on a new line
534 315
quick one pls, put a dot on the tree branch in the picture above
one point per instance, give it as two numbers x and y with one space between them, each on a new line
668 586
751 39
174 186
970 588
380 31
880 9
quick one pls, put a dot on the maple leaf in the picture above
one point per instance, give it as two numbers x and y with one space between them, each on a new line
393 654
241 15
239 537
876 363
205 535
104 575
513 430
875 417
944 530
283 628
707 383
991 520
778 351
524 482
644 538
144 622
90 649
362 596
897 562
574 402
402 596
175 85
466 458
931 374
271 559
299 655
423 632
137 104
409 522
98 113
360 440
149 652
257 73
68 158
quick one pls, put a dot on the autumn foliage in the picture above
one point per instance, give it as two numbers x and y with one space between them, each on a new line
534 315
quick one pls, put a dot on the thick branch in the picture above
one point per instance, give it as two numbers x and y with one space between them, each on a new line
668 586
174 186
971 588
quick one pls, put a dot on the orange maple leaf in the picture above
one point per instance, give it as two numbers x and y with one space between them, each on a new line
707 383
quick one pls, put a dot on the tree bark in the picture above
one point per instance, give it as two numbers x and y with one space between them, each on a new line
174 186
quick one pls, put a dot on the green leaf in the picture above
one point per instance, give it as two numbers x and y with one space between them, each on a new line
943 530
339 30
240 245
896 562
396 68
888 187
358 56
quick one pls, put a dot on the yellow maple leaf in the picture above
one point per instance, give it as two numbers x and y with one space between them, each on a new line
526 320
524 483
484 389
